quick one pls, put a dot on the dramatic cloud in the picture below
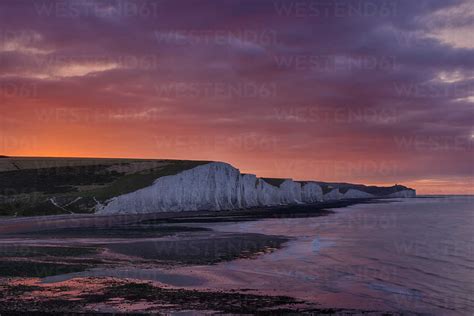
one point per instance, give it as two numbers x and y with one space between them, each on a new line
363 91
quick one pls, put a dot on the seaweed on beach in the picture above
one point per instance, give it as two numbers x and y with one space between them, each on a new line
18 300
227 302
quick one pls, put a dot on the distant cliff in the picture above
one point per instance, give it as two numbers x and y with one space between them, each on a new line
335 191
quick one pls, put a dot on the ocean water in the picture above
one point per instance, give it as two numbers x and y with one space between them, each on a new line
401 255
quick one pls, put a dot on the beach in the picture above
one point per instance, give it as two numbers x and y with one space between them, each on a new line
303 259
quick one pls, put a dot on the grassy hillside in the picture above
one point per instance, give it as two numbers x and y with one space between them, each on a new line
43 186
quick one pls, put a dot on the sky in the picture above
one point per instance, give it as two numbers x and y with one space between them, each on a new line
375 92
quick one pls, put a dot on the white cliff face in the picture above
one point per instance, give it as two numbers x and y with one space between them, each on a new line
248 191
219 186
267 194
311 193
356 194
332 195
214 186
290 192
402 194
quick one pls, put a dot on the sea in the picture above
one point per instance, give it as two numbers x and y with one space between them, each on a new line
403 255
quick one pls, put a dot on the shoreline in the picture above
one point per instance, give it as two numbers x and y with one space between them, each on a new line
35 223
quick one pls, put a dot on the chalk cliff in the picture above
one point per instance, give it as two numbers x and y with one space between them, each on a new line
214 186
332 195
311 192
219 186
356 194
